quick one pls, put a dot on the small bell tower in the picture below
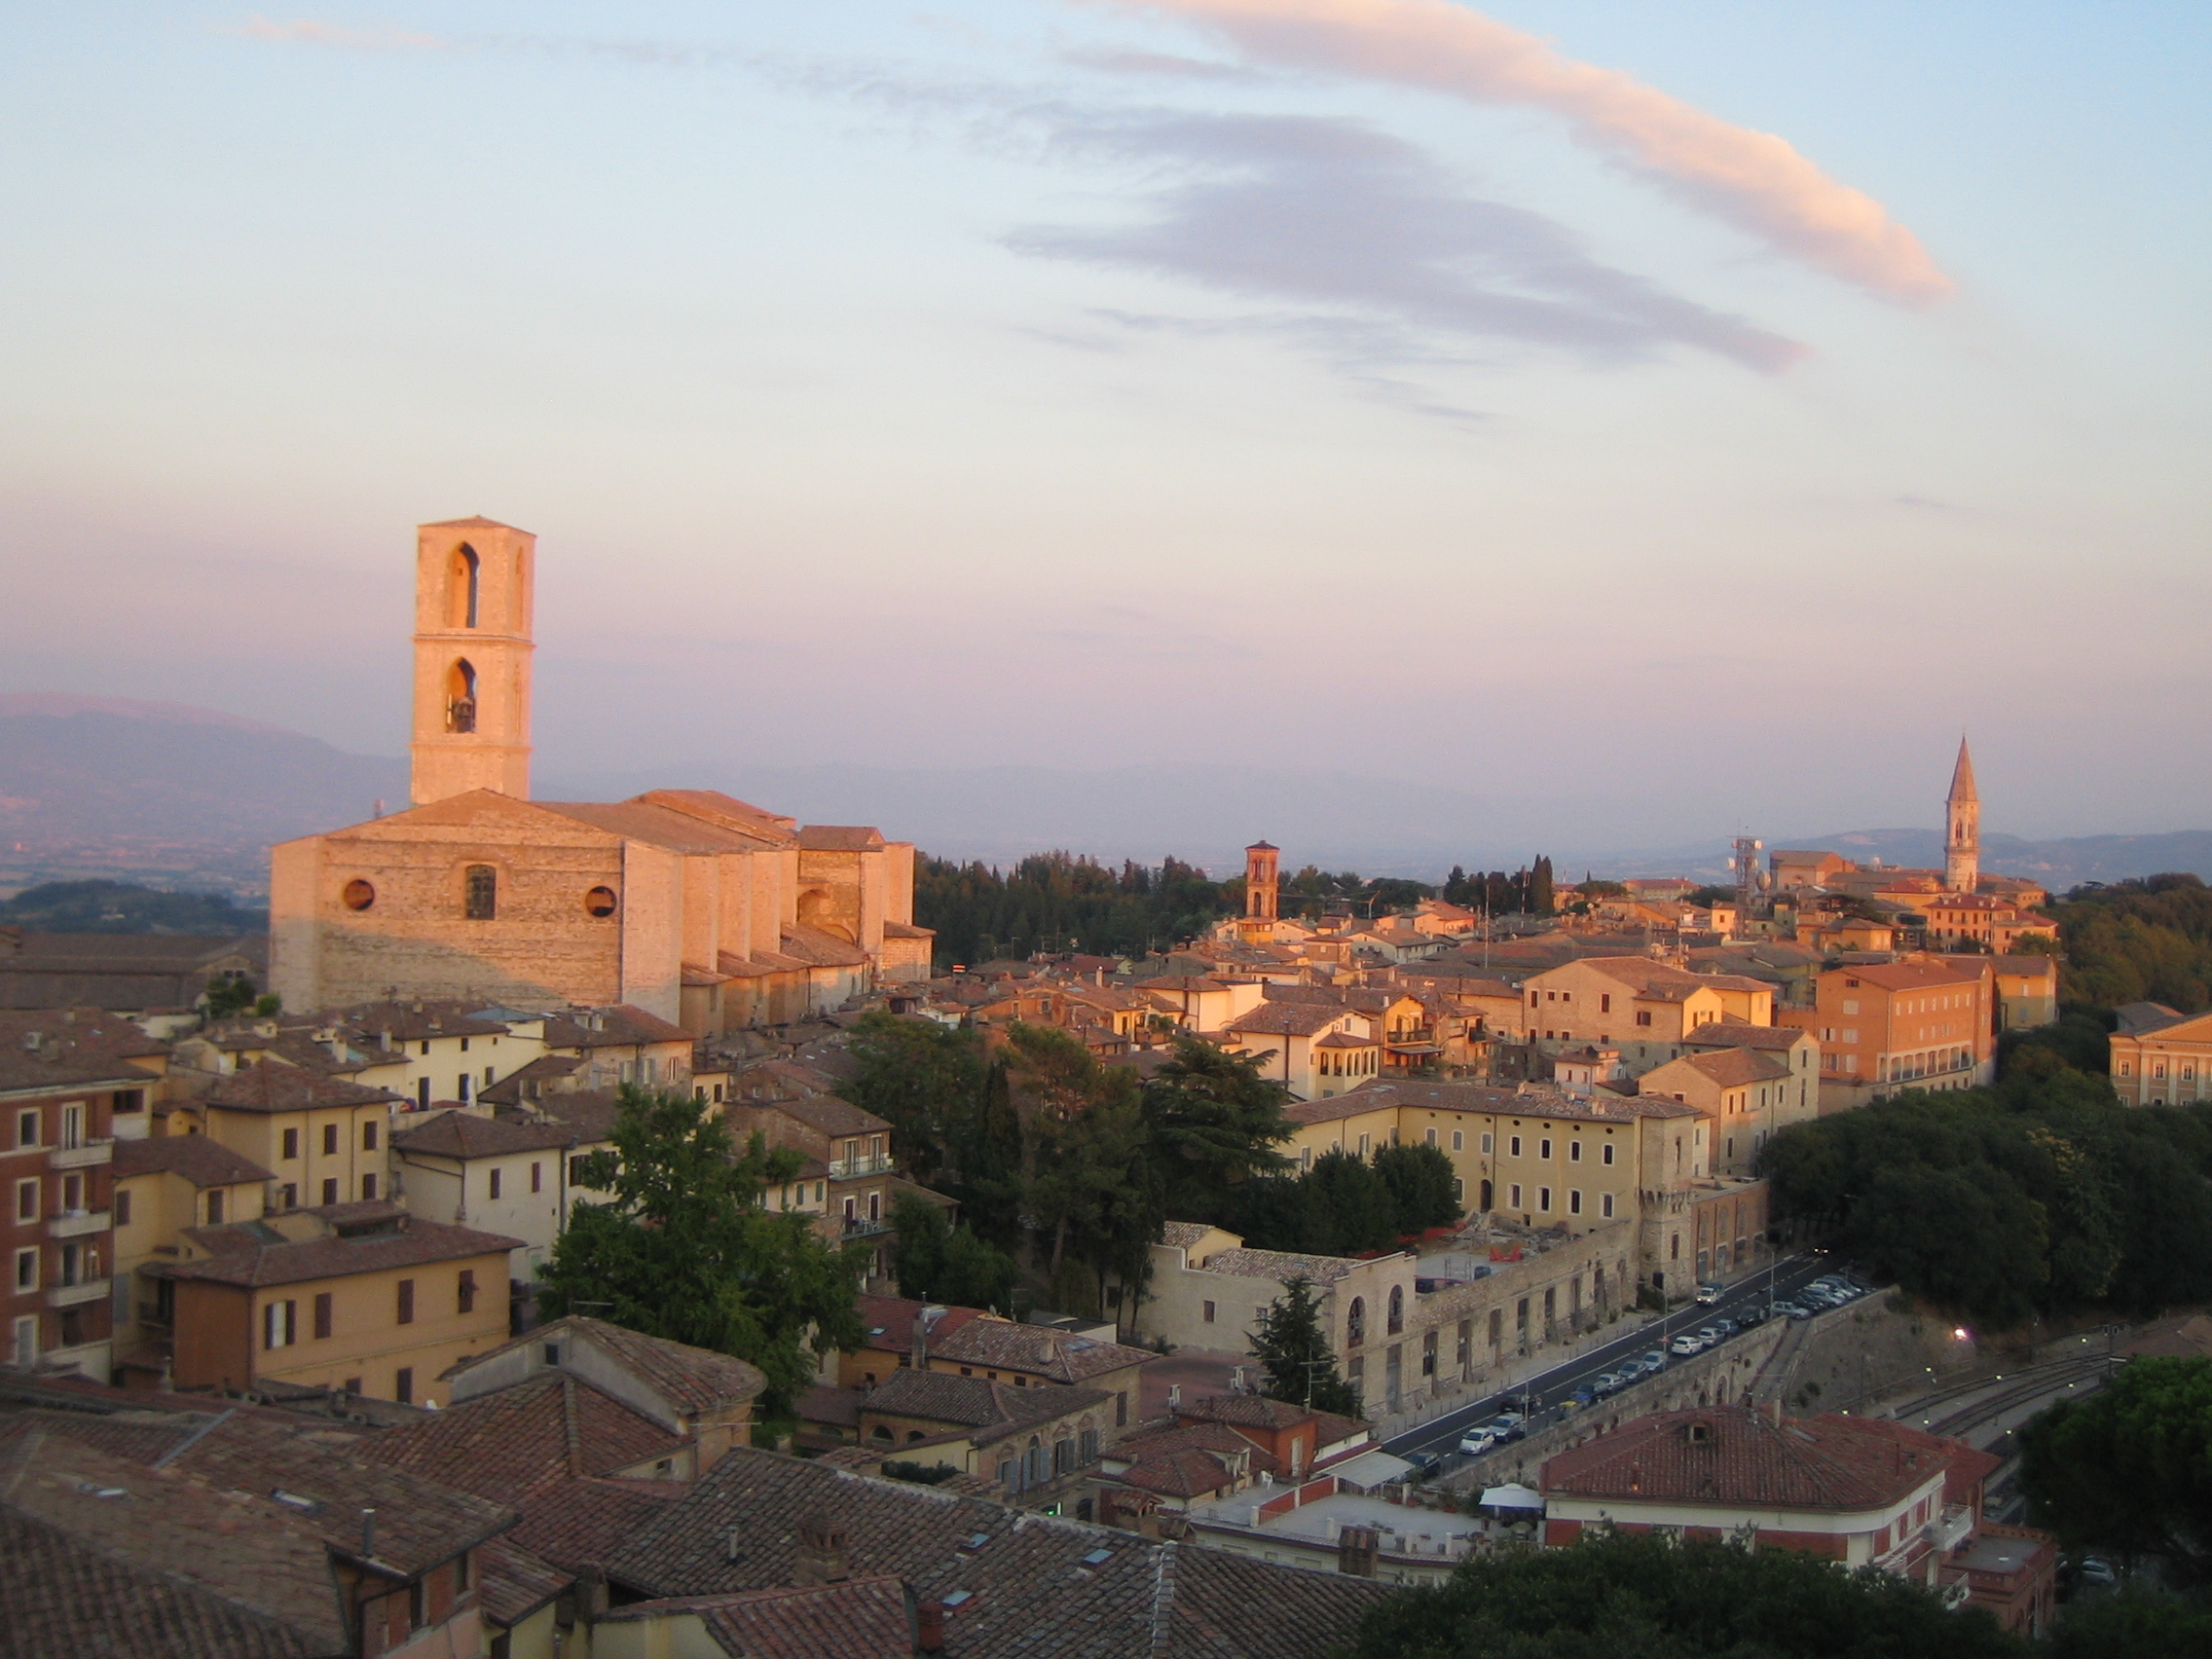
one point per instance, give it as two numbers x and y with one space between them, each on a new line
1962 828
474 581
1262 887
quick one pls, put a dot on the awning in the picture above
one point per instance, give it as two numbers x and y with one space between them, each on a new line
1512 1497
1368 1469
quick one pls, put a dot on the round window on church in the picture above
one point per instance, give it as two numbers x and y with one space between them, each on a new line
599 901
358 896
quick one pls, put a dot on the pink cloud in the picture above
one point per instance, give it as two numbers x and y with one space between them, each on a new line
301 31
1755 180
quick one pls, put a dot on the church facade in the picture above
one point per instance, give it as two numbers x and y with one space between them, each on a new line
688 903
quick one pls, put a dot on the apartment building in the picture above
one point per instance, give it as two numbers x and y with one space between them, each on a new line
1644 1008
362 1299
57 1234
2162 1056
1749 1097
1316 1051
1915 1022
165 1186
323 1139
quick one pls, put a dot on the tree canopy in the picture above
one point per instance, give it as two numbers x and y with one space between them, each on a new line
935 1260
683 1250
2129 1468
1294 1353
1641 1596
2147 941
101 906
2040 1195
1212 1122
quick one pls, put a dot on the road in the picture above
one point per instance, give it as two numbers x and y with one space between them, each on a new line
1440 1435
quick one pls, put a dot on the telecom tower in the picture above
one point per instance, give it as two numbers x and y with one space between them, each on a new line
1750 872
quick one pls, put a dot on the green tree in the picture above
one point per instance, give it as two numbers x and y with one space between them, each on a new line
1212 1123
935 1260
227 999
1641 1596
1294 1351
1422 1186
2130 1469
1349 1206
1540 897
2135 1624
685 1250
100 905
924 1079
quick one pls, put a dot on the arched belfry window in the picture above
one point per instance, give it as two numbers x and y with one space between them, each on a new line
480 893
1397 1309
461 588
1355 1322
461 696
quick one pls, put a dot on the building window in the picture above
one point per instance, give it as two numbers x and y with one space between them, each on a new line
324 1306
369 1135
330 1192
26 1199
1605 1205
407 1302
1513 1147
1643 1017
1355 1322
123 1206
291 1143
26 1270
1458 1140
492 1184
330 1140
465 1294
1205 1312
1545 1199
358 894
1574 1152
1575 1200
404 1385
278 1326
1486 1146
1397 1314
215 1207
537 1177
1606 1155
368 1188
1430 1137
480 893
1513 1195
1544 1148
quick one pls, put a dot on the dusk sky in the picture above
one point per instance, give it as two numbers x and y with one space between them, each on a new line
1703 411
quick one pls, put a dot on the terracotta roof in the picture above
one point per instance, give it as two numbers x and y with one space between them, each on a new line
463 1134
906 930
1734 1034
412 1021
200 1158
1533 1101
1108 1594
818 949
1189 1459
1731 1068
658 826
1737 1459
1287 1018
858 1618
1183 1234
1347 1040
510 1444
826 1113
619 1026
1281 1265
840 838
1038 1350
726 810
973 1402
588 1113
270 1086
1909 976
513 1582
690 1379
1250 1411
887 1322
514 1090
23 1071
254 1253
79 1032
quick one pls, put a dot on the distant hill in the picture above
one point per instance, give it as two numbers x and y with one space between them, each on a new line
192 797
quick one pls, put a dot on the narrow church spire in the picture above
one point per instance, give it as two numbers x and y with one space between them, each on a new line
1962 776
473 646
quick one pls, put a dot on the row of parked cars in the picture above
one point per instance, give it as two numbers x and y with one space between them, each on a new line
1830 1290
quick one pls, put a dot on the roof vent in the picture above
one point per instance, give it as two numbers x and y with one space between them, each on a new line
973 1541
1098 1558
958 1597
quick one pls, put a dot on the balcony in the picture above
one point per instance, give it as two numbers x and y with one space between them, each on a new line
1952 1528
78 1294
865 1226
75 1224
867 1163
81 1156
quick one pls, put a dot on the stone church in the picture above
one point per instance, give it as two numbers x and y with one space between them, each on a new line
690 905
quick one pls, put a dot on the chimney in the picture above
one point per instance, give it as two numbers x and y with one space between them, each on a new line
1357 1548
929 1627
368 1534
824 1556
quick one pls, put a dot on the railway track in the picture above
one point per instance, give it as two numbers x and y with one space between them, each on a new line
2017 1389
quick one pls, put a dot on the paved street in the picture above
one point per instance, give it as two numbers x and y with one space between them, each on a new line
1442 1435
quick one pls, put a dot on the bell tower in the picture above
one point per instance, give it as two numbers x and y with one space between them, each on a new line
1261 885
473 584
1962 828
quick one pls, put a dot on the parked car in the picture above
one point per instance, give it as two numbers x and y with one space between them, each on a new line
1609 1383
1476 1441
2097 1571
1583 1396
1708 1295
1654 1361
1796 1311
1709 1335
1686 1344
1726 1327
1421 1464
1752 1315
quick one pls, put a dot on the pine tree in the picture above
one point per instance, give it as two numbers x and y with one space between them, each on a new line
1295 1352
1540 901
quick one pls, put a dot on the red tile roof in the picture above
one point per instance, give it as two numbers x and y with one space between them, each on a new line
254 1253
512 1443
200 1158
268 1085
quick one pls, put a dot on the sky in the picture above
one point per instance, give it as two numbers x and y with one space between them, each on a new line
1691 417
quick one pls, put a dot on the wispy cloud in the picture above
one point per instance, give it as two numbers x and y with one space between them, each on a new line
302 31
1755 180
1378 247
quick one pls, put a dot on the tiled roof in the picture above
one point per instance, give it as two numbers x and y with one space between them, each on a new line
1036 1587
1347 1040
893 1316
1734 1034
513 1090
1287 1018
513 1582
413 1021
514 1442
582 1524
1036 1350
726 810
832 1116
80 1033
22 1070
1910 975
692 1380
588 1113
253 1253
1530 1101
661 826
465 1134
840 838
1742 1459
1189 1459
268 1085
1731 1068
200 1160
106 1557
1251 1410
618 1026
1283 1266
972 1402
859 1618
1183 1234
818 949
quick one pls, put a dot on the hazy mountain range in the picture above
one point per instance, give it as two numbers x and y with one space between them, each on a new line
193 797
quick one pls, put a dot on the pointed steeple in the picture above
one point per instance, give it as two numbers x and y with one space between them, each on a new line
1962 777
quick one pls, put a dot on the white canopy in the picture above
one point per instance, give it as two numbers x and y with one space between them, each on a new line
1368 1469
1512 1497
